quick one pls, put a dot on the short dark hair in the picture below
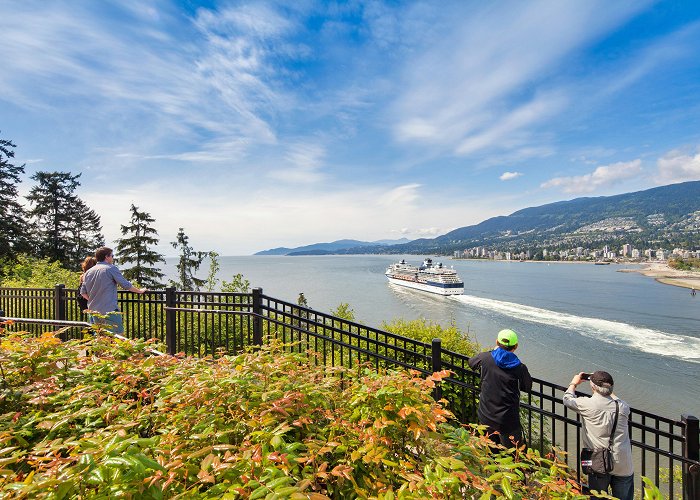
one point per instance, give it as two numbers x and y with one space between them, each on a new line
507 347
102 253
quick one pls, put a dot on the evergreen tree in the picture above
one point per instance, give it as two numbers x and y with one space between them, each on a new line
136 248
85 231
13 224
65 226
188 263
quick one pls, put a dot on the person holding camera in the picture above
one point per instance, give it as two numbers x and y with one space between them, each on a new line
606 441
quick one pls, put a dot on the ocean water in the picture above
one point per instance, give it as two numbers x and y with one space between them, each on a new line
570 317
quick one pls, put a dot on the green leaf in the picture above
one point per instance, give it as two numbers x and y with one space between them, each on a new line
259 492
506 487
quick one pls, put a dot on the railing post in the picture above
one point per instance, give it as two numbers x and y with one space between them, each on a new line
257 317
170 315
691 451
437 366
59 302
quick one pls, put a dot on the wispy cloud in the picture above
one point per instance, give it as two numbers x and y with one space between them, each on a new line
460 94
400 196
601 177
376 111
218 88
304 162
509 176
664 52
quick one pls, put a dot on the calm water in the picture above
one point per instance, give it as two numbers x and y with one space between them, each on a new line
570 317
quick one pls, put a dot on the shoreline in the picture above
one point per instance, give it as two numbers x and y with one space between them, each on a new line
660 271
666 275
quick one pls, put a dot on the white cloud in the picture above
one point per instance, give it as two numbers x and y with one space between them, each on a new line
428 232
400 196
472 91
507 176
304 161
675 166
256 218
505 129
131 73
602 177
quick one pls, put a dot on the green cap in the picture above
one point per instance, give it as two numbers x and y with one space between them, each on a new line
507 338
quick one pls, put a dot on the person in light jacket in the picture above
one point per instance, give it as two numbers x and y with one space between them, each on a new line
598 415
99 287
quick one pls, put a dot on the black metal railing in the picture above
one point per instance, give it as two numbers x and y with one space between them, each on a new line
211 323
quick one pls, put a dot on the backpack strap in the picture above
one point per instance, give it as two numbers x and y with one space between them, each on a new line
612 434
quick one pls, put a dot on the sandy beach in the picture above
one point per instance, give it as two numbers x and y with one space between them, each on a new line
662 273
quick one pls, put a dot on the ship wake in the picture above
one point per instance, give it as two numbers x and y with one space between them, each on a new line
613 332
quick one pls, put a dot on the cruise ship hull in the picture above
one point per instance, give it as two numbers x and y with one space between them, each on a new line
438 289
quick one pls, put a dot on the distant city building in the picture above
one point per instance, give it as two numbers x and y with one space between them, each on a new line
576 254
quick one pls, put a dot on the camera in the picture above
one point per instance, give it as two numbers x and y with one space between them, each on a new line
585 376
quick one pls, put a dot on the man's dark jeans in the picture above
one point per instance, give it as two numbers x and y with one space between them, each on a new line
622 486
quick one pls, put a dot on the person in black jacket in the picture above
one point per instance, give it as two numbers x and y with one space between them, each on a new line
503 376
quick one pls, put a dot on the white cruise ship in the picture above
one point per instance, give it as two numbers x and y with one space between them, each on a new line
427 277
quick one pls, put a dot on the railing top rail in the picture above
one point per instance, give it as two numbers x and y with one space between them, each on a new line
350 323
15 289
50 322
82 324
211 294
215 311
352 347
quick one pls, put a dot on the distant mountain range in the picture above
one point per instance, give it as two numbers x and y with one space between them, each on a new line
332 247
662 217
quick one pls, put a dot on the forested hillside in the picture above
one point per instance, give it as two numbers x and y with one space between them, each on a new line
664 216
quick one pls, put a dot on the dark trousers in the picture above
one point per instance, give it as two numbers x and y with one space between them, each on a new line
622 486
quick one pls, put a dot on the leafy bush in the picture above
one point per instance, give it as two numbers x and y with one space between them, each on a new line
685 264
453 338
32 272
101 418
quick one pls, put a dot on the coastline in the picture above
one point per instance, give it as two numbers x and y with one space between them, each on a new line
662 273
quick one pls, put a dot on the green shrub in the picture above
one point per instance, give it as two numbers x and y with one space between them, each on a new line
101 418
453 339
32 272
691 264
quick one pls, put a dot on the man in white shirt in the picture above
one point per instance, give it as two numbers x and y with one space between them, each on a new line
598 416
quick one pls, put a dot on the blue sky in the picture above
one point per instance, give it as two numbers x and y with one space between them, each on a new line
263 124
